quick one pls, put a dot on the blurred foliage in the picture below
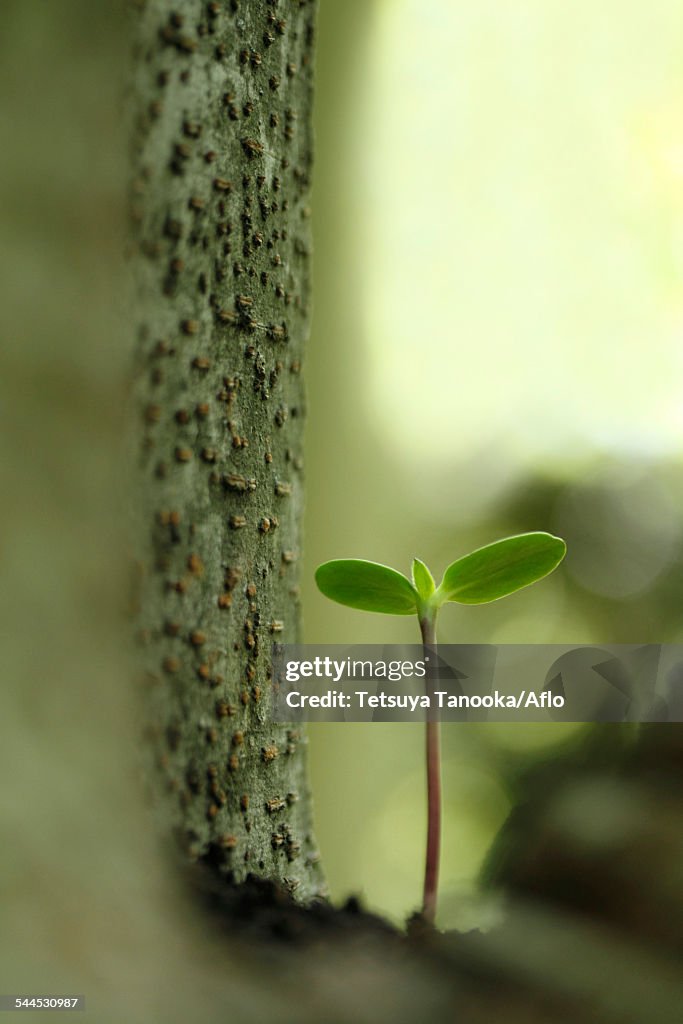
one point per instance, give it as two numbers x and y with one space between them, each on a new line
394 472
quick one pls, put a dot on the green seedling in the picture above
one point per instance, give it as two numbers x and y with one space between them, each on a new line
484 575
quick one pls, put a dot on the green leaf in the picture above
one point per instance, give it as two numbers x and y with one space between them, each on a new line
366 585
501 568
423 579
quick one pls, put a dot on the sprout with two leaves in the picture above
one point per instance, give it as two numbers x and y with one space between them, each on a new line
484 575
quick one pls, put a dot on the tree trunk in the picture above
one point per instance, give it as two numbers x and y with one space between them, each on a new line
221 275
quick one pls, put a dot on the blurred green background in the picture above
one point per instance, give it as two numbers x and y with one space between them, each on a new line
496 348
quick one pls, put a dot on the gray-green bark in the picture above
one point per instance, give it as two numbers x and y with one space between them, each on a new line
220 265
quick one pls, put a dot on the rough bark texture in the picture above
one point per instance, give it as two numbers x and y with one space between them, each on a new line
220 259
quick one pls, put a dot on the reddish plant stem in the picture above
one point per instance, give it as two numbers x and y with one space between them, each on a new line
433 742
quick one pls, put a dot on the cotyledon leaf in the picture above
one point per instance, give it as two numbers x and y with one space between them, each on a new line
367 585
501 568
